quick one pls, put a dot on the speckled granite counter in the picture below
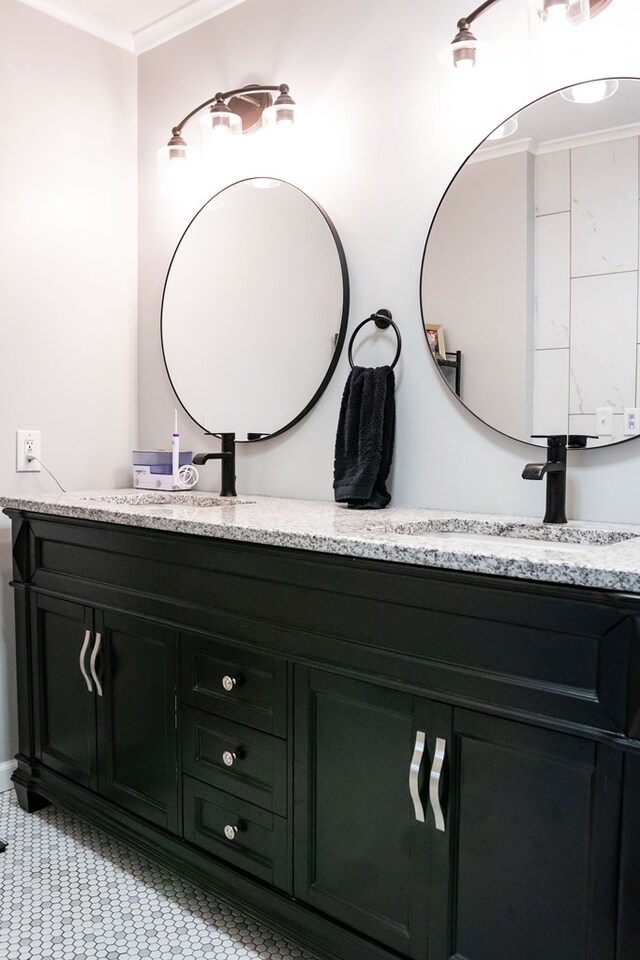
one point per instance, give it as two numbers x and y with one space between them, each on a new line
454 541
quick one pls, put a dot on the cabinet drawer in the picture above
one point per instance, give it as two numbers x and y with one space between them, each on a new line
238 832
244 762
235 682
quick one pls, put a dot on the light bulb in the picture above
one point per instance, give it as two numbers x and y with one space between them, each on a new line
279 116
556 15
465 66
173 169
217 124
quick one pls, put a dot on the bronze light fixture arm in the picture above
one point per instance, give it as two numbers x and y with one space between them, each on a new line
238 91
465 22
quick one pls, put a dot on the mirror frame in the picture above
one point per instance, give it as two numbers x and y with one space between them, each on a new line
531 442
342 333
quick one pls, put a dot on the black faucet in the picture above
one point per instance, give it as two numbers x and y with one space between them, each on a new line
228 465
556 472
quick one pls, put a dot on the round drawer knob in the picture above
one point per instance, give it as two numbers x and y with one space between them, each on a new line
229 758
230 832
229 683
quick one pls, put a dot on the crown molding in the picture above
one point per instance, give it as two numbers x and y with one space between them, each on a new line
588 139
505 148
75 18
191 14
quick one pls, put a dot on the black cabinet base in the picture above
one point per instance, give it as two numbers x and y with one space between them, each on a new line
29 800
276 911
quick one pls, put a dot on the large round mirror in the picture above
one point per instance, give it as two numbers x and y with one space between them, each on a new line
529 281
254 309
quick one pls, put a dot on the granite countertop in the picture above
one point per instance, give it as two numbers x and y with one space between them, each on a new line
454 541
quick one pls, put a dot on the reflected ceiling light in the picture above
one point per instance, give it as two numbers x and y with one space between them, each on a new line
591 92
465 46
505 129
238 111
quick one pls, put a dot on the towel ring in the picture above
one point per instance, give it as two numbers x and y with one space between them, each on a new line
382 319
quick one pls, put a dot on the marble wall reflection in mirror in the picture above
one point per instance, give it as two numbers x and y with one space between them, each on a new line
254 309
531 269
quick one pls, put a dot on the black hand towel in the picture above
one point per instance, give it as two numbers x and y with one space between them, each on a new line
364 441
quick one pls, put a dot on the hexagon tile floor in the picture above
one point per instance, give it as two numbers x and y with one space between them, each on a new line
69 892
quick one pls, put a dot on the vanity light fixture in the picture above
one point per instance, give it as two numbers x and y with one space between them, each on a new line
242 110
465 46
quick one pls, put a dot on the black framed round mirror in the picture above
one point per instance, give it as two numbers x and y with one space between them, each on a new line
254 309
529 281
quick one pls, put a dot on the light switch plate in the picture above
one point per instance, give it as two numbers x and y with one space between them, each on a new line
604 421
631 424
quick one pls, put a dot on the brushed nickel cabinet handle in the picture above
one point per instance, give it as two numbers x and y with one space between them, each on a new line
434 783
414 775
92 663
230 832
229 758
229 683
83 653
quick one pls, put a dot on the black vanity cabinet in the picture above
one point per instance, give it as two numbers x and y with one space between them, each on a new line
104 704
508 850
363 855
534 823
385 761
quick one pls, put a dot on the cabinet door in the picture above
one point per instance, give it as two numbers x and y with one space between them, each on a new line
64 706
535 829
361 853
137 737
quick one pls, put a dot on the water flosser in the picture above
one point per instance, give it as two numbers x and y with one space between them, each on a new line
175 453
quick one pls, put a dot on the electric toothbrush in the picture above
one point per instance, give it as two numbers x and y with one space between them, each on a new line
175 453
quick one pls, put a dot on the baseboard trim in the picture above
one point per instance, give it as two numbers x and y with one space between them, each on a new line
6 769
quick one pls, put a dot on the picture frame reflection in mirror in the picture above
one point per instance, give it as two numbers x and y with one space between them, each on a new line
435 339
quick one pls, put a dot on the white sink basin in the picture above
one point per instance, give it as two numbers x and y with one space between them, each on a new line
524 533
166 498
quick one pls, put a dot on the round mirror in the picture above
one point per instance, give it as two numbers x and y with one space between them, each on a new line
529 283
256 296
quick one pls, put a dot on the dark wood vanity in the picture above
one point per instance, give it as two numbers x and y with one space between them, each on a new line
383 760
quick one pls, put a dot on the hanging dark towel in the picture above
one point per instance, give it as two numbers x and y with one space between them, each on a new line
364 440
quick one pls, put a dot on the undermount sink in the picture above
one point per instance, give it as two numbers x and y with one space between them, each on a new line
492 530
165 498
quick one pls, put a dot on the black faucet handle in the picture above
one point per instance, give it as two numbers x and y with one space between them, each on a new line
578 441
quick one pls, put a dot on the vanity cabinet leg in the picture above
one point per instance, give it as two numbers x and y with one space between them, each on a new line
28 800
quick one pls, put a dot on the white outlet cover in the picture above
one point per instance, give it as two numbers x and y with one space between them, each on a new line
23 465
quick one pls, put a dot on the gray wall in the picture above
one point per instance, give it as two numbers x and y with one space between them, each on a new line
67 280
380 145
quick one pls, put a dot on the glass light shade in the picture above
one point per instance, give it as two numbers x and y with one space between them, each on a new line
463 56
215 122
174 164
279 116
592 92
561 13
505 129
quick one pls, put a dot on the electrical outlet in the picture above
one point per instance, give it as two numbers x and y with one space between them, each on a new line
28 444
604 421
631 423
